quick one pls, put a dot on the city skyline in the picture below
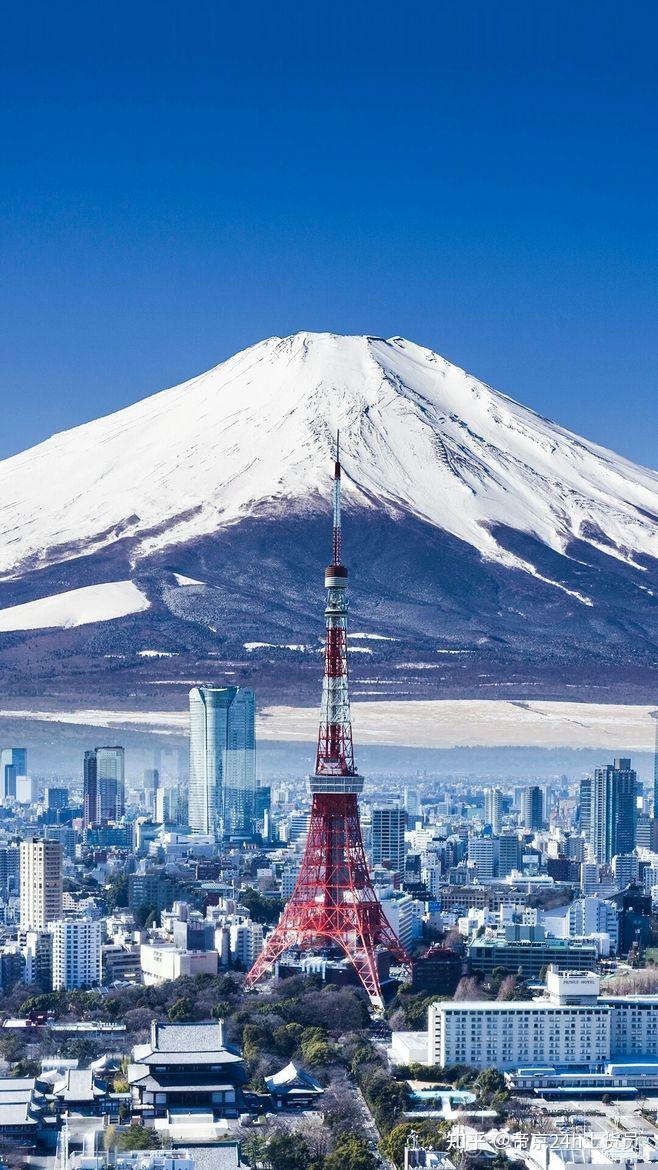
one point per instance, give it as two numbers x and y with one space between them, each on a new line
360 876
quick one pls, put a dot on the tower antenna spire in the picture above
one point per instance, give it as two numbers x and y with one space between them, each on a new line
336 541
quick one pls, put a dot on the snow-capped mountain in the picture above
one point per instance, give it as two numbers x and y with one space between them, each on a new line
473 525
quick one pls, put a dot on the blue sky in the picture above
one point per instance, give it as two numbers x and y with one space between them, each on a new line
180 180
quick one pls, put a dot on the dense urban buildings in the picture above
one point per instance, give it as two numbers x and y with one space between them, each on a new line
455 905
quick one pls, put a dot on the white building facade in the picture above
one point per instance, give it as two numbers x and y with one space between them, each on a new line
76 953
570 1027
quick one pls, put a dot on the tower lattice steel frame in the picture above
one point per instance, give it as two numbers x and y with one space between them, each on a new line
334 900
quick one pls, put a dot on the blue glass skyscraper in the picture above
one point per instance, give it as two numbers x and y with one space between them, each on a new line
13 763
222 794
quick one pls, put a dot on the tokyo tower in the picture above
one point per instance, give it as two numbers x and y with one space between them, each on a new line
334 901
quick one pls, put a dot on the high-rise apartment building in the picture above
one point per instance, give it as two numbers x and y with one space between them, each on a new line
388 843
614 810
626 869
532 808
76 953
222 789
40 883
13 763
104 785
493 808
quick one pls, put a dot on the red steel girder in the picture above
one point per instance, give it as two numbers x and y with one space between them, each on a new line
334 899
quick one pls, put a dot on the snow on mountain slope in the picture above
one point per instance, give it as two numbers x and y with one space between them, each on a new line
76 607
254 436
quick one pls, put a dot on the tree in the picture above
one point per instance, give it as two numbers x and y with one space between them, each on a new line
341 1110
137 1137
507 989
433 1134
12 1046
180 1010
415 1009
468 989
254 1146
26 1068
351 1151
286 1038
316 1048
144 914
491 1086
82 1048
220 1010
254 1041
263 910
287 1151
116 894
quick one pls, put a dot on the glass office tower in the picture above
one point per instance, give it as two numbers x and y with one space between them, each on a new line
222 793
13 763
104 785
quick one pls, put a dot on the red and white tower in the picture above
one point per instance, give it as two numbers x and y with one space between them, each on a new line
334 900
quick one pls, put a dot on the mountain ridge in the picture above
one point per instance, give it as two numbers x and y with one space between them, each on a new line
510 532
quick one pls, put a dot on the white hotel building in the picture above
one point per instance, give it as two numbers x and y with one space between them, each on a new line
572 1028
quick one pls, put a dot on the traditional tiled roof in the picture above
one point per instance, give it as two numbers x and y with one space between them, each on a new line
182 1044
292 1078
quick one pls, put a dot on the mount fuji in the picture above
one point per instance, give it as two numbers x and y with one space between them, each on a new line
183 538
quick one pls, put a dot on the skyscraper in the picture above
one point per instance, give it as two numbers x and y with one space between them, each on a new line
614 810
509 854
222 791
151 785
493 808
57 799
532 807
13 763
655 770
412 804
104 785
585 811
41 883
388 844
